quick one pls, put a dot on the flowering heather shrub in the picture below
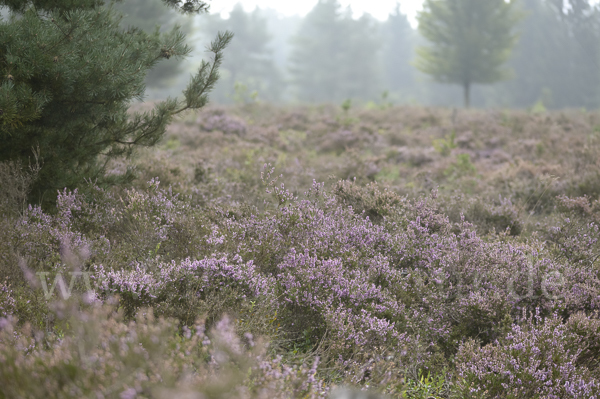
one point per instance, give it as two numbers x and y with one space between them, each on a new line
486 216
15 182
414 283
101 355
186 288
7 302
540 359
224 123
51 242
392 146
385 284
139 225
368 201
365 284
575 233
341 140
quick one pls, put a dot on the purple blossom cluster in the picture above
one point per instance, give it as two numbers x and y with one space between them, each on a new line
576 234
542 358
7 302
411 283
42 236
149 286
417 277
223 123
108 357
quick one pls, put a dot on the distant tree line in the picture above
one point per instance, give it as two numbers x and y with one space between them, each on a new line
539 53
557 58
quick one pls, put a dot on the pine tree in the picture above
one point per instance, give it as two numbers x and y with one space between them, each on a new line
282 29
69 73
150 15
581 29
360 68
533 57
335 57
316 54
557 59
470 41
397 55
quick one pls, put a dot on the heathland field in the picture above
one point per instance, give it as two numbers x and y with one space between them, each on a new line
284 252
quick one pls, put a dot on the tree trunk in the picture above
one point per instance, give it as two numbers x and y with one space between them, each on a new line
467 88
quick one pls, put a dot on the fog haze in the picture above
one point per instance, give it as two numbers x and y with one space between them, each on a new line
321 52
379 9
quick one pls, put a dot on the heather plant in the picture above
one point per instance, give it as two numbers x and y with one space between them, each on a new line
16 182
43 239
391 147
222 122
212 286
487 216
403 263
543 358
368 201
575 231
7 302
333 277
385 282
101 354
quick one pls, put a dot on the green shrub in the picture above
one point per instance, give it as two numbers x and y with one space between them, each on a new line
461 167
69 94
446 145
425 387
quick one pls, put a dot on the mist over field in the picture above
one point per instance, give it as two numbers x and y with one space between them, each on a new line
554 63
325 206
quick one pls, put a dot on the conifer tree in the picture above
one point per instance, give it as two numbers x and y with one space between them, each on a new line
470 41
360 69
68 74
556 62
335 57
150 15
581 29
397 55
316 53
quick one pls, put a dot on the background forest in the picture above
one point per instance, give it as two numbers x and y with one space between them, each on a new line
328 56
